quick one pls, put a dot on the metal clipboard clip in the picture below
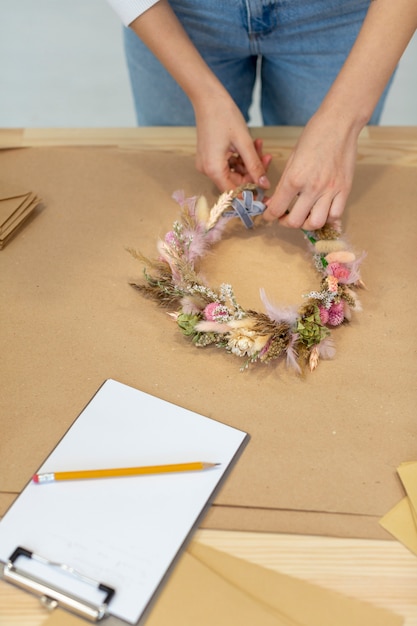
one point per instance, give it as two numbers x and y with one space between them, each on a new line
52 597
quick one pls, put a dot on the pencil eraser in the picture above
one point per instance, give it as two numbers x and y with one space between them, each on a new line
35 478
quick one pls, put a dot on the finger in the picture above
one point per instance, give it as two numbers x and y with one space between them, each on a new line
265 158
297 214
337 208
246 167
280 202
236 163
319 213
238 171
259 145
253 163
266 161
231 179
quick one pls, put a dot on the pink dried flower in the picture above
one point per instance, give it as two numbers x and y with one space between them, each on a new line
338 270
210 311
216 312
336 314
171 239
324 314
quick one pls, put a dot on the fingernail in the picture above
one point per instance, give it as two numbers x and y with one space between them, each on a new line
264 182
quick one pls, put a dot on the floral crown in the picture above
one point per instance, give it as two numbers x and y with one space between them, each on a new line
208 316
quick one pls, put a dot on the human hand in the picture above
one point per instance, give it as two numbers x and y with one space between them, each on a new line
317 178
226 152
237 165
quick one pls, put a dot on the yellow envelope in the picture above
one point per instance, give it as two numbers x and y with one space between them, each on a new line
302 603
401 520
212 588
408 475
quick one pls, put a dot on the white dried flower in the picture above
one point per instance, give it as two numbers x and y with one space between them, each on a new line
243 341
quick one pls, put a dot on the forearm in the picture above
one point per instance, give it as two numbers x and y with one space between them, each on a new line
225 149
162 33
384 35
317 178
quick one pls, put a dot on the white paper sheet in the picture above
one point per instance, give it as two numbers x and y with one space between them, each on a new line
123 532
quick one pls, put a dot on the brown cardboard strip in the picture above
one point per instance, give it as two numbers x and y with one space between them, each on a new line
19 217
10 206
317 522
15 208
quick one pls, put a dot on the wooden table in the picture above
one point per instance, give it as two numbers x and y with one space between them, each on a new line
382 572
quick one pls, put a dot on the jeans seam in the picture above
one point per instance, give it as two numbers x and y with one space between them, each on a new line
252 36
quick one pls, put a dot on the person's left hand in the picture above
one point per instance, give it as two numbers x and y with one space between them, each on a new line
317 178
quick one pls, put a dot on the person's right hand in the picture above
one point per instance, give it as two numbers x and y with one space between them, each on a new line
226 152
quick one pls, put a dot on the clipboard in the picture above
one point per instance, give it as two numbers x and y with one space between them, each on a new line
103 548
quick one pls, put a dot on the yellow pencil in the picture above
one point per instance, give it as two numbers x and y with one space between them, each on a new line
49 477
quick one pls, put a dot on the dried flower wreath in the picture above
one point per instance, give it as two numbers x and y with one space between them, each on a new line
214 317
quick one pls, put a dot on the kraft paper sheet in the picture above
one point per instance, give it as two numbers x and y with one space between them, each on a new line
324 448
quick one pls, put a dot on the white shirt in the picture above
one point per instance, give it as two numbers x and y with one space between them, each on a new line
129 10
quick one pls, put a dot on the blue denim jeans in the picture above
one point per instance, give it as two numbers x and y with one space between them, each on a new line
298 47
